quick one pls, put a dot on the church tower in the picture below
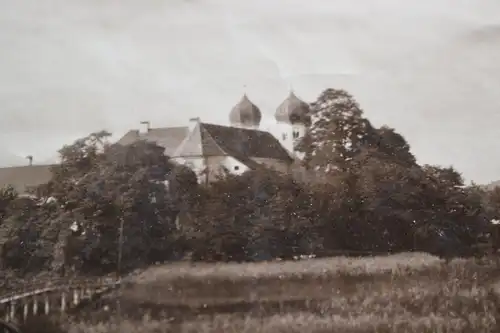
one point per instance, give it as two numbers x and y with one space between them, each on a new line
245 114
293 118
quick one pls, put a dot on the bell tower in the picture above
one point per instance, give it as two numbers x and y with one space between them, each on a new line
293 118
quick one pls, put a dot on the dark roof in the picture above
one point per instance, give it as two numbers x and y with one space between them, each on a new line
245 113
241 143
23 177
167 137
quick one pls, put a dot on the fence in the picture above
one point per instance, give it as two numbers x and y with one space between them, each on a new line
6 327
46 300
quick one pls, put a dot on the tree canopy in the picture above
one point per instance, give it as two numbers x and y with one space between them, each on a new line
369 196
96 185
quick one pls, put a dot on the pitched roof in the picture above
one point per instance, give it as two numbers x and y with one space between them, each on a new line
167 137
23 177
216 140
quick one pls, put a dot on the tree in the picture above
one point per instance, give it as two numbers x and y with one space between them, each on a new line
7 195
490 203
97 185
259 215
125 183
393 145
332 209
448 178
77 160
456 210
221 214
390 196
20 235
337 132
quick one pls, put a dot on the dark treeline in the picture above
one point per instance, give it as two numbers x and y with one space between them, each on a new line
359 189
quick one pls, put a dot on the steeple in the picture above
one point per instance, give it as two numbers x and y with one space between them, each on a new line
293 110
245 114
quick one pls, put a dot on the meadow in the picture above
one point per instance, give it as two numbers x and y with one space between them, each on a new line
399 293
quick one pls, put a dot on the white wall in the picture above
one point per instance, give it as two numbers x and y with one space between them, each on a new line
233 165
285 134
280 166
215 166
218 163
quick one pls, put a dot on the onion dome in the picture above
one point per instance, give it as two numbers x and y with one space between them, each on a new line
293 110
245 113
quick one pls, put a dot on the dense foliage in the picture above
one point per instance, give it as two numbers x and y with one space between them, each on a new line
97 188
365 194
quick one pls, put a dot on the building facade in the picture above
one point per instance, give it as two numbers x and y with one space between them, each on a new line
210 150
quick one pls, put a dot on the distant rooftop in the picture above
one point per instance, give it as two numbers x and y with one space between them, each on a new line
168 137
23 177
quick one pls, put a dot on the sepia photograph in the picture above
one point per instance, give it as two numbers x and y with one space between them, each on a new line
221 166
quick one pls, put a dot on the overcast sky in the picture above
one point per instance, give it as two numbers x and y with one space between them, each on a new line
431 69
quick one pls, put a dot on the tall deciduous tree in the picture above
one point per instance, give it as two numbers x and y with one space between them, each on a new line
123 184
337 132
99 185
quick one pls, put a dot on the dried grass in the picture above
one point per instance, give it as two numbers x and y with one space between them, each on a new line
405 293
352 265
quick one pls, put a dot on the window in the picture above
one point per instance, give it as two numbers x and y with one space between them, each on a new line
283 136
236 167
295 134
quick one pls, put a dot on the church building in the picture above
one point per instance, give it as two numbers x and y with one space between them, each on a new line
210 150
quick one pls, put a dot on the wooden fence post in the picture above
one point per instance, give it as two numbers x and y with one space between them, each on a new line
25 309
12 315
47 303
35 305
63 301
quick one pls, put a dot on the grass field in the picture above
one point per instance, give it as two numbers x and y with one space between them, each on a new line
401 293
